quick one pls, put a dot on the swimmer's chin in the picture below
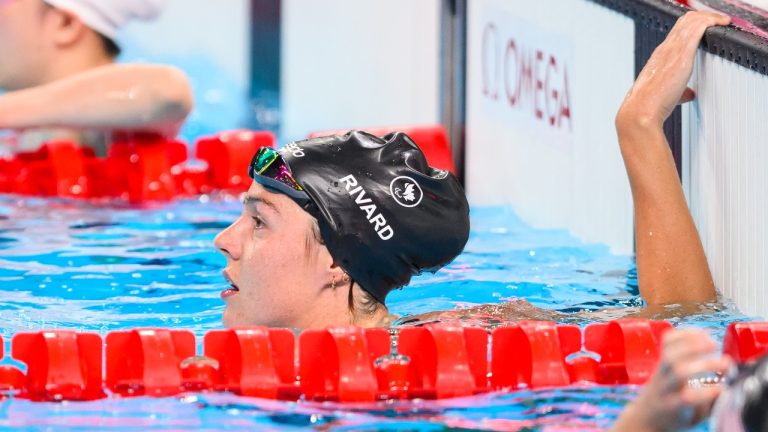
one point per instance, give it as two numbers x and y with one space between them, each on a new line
229 319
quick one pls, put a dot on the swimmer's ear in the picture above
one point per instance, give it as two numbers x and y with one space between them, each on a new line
687 96
69 28
337 270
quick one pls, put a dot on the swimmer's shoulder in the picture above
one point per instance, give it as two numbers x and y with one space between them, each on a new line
487 315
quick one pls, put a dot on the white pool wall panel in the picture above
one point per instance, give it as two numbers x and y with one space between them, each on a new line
192 28
725 176
352 63
572 176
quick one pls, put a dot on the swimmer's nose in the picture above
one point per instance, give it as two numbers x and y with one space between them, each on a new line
227 242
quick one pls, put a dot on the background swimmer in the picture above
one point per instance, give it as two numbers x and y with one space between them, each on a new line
58 69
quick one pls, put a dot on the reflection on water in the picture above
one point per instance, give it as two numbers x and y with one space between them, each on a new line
576 409
104 266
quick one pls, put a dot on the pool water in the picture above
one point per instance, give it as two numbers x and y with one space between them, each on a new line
102 266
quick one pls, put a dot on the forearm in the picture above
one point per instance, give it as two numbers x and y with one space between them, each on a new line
671 264
126 97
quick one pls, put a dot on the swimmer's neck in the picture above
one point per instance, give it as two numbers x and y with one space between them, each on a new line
76 62
380 318
341 315
387 320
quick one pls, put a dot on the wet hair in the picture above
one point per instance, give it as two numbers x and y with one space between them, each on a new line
110 47
364 303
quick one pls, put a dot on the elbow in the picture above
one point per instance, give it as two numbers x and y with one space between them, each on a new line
167 99
159 99
174 97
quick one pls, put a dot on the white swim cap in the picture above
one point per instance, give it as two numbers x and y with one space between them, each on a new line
107 16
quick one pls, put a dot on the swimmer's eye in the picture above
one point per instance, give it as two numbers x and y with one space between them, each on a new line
257 221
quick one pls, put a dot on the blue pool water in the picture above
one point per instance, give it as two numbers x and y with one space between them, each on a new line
100 267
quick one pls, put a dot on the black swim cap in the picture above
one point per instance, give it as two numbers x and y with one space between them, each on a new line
385 215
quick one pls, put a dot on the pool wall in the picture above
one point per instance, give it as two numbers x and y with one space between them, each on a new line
196 28
306 66
573 177
542 92
724 160
353 64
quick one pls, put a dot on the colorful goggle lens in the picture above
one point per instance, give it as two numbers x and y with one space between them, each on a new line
268 163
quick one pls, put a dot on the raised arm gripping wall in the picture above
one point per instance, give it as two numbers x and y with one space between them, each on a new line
542 93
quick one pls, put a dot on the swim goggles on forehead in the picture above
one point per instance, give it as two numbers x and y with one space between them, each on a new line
268 169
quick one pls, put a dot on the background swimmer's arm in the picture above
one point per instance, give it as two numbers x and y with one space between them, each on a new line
667 402
149 98
671 265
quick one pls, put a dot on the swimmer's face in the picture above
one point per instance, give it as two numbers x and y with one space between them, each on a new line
280 270
26 33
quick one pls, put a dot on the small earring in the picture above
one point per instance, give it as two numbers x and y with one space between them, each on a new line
333 282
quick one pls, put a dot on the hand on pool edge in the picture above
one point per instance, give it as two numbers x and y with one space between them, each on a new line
668 402
662 84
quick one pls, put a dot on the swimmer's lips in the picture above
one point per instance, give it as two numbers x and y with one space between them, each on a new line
229 292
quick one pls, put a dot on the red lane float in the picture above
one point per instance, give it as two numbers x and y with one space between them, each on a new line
432 140
146 167
56 169
530 354
445 360
746 341
137 167
253 362
228 155
345 364
628 349
143 167
62 365
336 364
147 361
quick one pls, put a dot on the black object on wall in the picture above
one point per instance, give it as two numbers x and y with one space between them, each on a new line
265 65
453 66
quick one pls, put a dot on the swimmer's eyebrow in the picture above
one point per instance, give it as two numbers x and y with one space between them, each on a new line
252 200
